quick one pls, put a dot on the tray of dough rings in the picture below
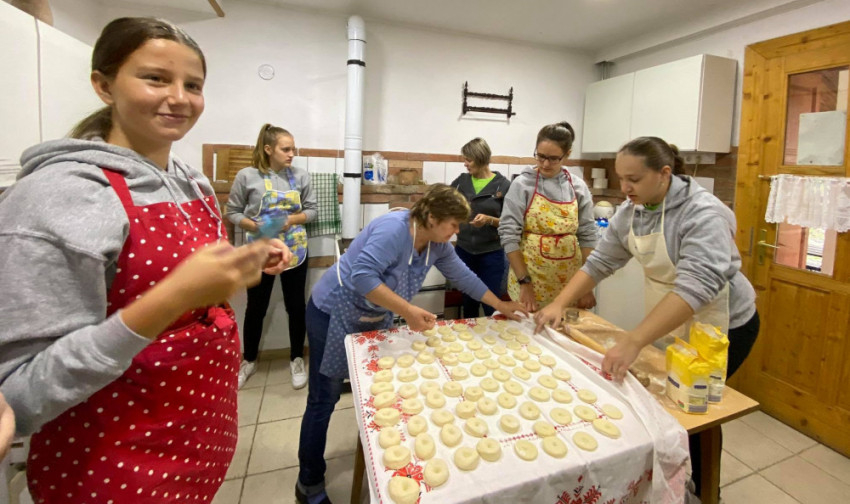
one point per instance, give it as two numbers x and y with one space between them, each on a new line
485 410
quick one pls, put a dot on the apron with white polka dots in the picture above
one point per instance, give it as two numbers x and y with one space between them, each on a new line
165 431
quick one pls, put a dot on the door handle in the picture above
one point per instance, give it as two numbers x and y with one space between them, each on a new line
762 243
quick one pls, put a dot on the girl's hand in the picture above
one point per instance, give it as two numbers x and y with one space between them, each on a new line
549 316
527 297
278 259
587 301
214 273
480 220
509 309
7 427
620 357
418 319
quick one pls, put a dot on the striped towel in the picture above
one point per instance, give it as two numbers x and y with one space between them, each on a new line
328 221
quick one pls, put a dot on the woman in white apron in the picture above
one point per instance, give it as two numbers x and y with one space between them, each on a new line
683 236
273 191
380 272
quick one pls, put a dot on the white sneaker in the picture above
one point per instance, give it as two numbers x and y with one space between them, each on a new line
246 370
299 374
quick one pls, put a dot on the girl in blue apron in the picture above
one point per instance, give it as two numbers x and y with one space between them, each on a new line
378 275
274 197
683 237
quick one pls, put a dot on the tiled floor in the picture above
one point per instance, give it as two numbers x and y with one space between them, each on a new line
764 461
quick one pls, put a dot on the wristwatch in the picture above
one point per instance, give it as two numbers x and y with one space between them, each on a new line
524 280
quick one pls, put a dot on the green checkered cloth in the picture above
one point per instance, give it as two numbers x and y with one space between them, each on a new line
328 221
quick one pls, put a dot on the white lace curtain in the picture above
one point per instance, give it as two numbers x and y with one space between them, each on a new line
812 202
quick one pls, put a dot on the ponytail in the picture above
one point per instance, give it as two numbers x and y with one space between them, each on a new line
561 134
678 161
656 154
97 124
268 136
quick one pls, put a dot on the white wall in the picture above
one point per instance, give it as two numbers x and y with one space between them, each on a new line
731 43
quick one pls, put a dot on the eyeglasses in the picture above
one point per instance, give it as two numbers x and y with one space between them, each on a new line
551 159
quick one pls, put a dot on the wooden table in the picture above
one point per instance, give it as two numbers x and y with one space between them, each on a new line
650 362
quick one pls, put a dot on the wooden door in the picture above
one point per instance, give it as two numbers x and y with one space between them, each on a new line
799 369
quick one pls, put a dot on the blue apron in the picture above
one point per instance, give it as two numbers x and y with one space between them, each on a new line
353 313
277 203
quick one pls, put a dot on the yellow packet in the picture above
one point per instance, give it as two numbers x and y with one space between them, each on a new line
713 347
687 378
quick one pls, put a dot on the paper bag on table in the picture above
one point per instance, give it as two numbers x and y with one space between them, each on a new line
687 378
713 347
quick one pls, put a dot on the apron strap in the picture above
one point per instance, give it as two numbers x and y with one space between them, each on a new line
119 184
291 176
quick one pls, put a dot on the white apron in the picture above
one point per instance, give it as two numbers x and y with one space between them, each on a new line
660 274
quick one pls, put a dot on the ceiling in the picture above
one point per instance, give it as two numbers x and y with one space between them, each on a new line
599 27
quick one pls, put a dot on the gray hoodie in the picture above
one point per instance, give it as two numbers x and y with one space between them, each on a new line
248 188
557 188
699 231
62 228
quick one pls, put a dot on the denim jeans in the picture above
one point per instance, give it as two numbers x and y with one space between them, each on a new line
491 268
322 396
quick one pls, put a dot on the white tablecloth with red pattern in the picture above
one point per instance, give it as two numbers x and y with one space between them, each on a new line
648 463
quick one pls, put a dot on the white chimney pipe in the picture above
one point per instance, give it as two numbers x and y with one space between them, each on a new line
353 128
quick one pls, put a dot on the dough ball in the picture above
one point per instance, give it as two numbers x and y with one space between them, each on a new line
507 361
482 354
490 364
473 393
433 341
384 375
543 428
436 472
396 457
460 327
489 384
435 399
478 369
561 374
487 406
465 357
533 350
387 417
403 490
513 345
453 389
429 372
547 360
554 447
441 351
529 411
585 441
386 362
407 375
501 375
561 416
424 446
539 394
456 347
585 412
465 336
547 381
479 329
521 355
606 428
507 336
445 330
466 409
425 357
506 401
521 373
379 387
562 396
405 360
475 427
428 386
407 391
499 350
384 399
418 346
466 458
522 338
389 437
430 332
525 450
489 340
416 425
460 373
411 406
531 365
474 345
612 411
450 435
449 338
489 449
512 387
509 424
449 359
586 395
442 417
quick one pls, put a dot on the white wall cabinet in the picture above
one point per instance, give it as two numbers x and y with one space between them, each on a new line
608 114
689 102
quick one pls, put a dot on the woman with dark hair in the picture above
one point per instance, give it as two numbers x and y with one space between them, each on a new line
547 227
380 272
119 351
683 236
478 243
274 187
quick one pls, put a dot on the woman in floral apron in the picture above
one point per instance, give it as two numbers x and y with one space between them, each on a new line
274 189
378 275
547 227
119 351
683 237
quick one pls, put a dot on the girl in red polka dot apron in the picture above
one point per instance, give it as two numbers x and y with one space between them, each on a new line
166 430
